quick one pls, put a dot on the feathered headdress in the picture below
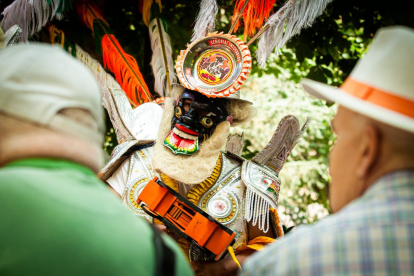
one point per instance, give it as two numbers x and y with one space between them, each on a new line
124 66
217 64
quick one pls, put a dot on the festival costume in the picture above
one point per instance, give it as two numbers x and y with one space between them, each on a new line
235 192
185 151
231 189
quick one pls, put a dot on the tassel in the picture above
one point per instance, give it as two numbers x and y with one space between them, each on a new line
32 15
256 12
146 10
257 210
206 19
161 62
126 70
287 22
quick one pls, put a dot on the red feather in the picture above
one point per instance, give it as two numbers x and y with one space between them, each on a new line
124 66
254 15
126 70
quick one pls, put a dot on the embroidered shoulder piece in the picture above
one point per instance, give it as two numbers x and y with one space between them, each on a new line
261 174
119 155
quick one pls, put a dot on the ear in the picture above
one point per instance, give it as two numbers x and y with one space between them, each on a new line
369 150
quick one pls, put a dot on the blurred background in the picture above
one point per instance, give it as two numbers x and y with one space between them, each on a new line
325 51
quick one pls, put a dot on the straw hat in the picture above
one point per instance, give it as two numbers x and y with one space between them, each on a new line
381 86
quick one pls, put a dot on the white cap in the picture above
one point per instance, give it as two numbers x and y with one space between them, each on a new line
39 80
381 86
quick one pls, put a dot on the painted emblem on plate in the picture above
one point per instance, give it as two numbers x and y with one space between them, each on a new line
214 67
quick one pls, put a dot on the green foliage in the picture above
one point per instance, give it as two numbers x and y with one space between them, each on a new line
304 190
328 50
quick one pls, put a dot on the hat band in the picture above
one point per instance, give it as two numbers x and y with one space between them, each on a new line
378 97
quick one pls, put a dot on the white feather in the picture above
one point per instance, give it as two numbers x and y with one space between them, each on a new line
206 19
29 15
157 59
287 22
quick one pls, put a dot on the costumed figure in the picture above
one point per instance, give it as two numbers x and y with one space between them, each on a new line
181 144
185 153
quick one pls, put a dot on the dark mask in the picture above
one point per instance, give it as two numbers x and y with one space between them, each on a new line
195 119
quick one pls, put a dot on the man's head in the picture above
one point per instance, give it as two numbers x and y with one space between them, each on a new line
365 149
48 94
375 119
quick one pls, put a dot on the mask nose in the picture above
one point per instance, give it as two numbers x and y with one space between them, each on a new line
190 118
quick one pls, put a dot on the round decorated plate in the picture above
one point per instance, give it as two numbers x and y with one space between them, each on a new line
215 66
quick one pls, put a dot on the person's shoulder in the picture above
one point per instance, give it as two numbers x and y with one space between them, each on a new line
11 175
319 245
292 253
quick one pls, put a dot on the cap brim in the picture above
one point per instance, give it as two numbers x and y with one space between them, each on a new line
334 94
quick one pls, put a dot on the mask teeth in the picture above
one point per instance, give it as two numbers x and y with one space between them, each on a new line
184 135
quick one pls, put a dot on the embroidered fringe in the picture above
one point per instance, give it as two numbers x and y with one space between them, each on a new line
30 15
257 210
206 19
287 22
161 52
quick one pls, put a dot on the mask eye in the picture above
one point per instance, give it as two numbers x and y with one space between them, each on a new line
207 122
178 112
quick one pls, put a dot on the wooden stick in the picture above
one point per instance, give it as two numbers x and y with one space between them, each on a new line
259 33
238 17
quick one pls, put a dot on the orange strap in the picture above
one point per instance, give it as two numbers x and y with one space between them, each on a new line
379 97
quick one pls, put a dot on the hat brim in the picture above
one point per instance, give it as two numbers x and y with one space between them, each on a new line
334 94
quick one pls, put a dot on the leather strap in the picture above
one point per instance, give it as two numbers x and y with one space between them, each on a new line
164 256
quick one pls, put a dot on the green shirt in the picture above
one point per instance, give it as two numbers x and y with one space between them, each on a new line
57 218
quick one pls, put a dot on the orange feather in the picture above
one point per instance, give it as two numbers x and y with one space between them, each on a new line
254 15
115 59
126 70
88 12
